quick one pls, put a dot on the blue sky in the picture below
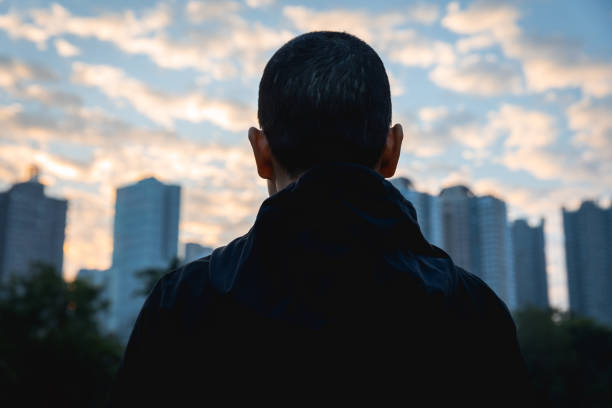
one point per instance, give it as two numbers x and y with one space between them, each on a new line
510 98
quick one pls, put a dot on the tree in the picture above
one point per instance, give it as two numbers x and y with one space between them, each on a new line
569 357
52 351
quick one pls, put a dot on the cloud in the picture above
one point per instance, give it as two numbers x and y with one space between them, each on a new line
416 50
591 120
432 135
547 63
14 72
17 29
17 77
424 13
539 162
259 3
432 113
530 144
160 107
397 88
474 136
525 128
87 126
109 27
522 128
384 31
423 142
477 75
51 98
224 48
475 42
567 165
594 78
198 11
65 49
379 30
496 18
370 28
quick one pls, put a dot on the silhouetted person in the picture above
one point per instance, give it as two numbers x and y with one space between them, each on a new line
333 296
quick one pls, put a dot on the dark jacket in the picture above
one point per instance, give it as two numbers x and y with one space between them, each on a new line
333 293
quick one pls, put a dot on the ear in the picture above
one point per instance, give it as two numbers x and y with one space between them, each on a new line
391 152
262 152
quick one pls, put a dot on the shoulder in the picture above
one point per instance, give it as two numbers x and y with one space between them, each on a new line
182 288
481 303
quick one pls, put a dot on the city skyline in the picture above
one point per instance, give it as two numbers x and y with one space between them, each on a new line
509 256
513 100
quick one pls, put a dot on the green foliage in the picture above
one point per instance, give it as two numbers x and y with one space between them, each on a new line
569 357
150 276
51 349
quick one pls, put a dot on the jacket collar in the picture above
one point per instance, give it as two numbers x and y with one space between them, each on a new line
333 210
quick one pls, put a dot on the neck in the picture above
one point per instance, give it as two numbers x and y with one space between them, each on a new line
279 183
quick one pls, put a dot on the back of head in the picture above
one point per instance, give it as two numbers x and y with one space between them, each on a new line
325 97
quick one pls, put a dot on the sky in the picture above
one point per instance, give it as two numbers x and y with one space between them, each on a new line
512 99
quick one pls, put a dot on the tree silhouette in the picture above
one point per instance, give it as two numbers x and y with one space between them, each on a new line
52 351
569 358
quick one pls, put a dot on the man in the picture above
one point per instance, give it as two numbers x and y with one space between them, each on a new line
334 292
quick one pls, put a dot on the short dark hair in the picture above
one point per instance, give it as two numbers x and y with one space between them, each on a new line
324 96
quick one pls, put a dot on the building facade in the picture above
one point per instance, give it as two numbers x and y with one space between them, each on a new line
428 209
530 265
588 256
32 229
145 236
477 237
494 253
460 227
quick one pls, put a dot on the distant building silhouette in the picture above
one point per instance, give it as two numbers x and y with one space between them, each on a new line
588 255
32 228
530 265
495 248
477 236
460 226
195 251
145 236
428 209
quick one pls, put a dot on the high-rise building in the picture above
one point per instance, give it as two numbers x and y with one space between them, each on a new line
32 228
588 255
428 209
529 265
477 237
494 248
195 251
145 236
460 226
